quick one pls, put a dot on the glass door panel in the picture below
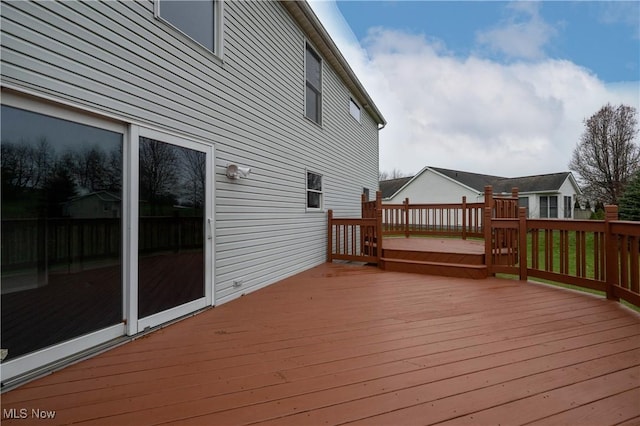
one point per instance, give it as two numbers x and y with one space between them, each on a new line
172 229
61 230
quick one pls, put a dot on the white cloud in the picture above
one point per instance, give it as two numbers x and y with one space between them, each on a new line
522 36
473 114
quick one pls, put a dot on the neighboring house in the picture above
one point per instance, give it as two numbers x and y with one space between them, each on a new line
545 196
163 97
98 205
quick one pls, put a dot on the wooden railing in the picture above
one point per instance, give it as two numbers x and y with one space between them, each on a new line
599 255
449 219
356 239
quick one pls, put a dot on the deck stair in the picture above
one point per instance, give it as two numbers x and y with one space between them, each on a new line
431 256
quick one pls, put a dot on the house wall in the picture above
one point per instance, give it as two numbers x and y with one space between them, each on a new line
430 187
117 58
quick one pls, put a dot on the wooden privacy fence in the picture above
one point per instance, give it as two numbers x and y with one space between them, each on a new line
32 242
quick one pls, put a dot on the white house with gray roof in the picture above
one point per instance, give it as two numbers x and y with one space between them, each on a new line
545 196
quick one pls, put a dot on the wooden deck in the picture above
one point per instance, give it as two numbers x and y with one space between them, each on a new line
449 257
353 344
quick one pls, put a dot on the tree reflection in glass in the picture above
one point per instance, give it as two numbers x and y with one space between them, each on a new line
171 226
61 230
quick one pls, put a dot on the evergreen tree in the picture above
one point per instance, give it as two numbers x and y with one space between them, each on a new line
629 207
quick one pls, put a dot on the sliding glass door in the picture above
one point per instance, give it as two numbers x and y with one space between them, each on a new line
174 227
107 229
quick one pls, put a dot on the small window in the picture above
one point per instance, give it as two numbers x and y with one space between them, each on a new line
314 191
354 109
198 19
313 94
365 192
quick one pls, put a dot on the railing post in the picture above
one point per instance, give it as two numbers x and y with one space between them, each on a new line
486 222
488 201
406 217
464 217
378 231
514 195
522 233
330 236
611 254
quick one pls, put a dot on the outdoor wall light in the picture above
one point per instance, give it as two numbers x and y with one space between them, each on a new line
236 172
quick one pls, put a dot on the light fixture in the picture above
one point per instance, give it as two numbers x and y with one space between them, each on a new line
236 172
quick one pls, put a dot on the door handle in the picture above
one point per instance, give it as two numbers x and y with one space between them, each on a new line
210 234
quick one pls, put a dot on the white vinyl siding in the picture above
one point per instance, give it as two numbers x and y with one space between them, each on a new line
116 58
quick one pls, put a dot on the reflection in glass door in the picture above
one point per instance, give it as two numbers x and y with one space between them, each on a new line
172 229
61 233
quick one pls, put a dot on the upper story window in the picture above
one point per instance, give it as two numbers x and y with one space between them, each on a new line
354 109
313 94
199 19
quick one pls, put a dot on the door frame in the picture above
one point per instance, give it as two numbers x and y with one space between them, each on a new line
134 323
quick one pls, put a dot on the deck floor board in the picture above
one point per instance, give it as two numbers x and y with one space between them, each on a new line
346 343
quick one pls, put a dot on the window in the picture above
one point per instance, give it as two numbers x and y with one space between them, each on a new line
549 206
314 191
200 20
524 202
354 109
313 94
568 206
365 192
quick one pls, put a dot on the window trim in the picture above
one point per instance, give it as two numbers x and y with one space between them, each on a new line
307 190
307 84
218 22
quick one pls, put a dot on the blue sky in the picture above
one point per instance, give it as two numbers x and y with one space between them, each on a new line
604 37
489 87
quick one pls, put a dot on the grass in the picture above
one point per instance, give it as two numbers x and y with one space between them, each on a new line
556 250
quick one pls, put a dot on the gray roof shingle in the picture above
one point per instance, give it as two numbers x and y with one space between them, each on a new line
476 181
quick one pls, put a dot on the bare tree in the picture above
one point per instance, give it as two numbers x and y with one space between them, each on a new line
158 165
195 173
394 174
607 156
